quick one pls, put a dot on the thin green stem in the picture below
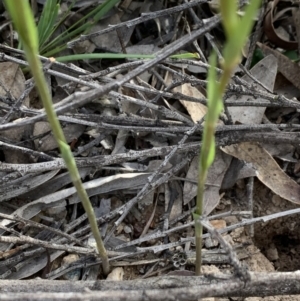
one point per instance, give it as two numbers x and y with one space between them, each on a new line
236 32
23 20
36 69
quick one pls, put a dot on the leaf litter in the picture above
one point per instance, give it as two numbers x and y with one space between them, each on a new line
137 151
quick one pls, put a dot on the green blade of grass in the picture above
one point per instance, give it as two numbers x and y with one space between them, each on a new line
47 21
76 29
121 56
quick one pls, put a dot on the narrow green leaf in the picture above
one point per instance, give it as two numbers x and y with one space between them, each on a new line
24 22
230 20
239 35
46 18
247 20
120 56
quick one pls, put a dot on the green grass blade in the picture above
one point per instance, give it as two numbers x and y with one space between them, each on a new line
47 20
229 13
59 43
121 56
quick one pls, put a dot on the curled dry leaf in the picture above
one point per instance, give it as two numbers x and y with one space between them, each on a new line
267 170
277 35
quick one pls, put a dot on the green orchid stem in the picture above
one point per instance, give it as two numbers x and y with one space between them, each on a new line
36 70
207 145
23 20
236 31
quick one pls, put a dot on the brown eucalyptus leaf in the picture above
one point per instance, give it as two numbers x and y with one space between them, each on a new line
267 169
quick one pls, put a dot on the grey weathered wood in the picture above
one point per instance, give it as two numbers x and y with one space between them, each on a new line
160 288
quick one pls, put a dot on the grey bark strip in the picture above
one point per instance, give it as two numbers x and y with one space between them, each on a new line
156 289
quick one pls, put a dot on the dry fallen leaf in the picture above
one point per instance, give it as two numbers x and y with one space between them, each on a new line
72 131
213 183
195 110
265 71
279 36
116 274
13 84
289 69
267 170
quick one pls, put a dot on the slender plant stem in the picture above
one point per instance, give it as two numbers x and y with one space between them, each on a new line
236 31
36 69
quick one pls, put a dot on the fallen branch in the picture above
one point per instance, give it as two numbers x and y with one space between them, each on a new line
161 288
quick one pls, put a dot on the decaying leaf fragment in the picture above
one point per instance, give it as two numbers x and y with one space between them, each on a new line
12 86
265 72
195 110
267 170
213 183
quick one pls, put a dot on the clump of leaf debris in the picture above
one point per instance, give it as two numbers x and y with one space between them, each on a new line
136 144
